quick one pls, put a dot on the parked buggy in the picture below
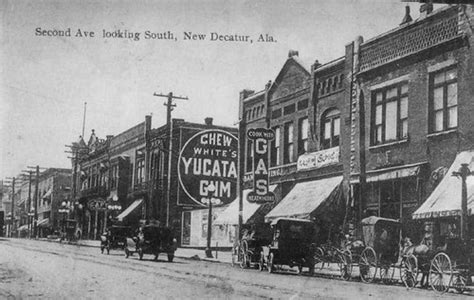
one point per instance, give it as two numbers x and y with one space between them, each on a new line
115 238
446 260
292 245
152 239
376 253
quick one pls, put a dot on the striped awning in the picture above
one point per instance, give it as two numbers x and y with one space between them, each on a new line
135 205
445 200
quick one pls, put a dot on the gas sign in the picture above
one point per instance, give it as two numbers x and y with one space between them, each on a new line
261 138
207 167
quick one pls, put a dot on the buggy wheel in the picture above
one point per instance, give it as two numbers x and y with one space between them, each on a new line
368 265
459 283
127 252
409 271
244 262
140 253
170 257
270 260
345 264
318 257
441 273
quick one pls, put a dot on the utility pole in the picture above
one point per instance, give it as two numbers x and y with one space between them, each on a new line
169 107
28 205
13 182
35 217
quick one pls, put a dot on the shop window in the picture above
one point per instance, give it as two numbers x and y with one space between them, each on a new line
303 127
275 148
443 105
288 156
390 114
331 123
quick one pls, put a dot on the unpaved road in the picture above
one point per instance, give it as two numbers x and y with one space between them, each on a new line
42 270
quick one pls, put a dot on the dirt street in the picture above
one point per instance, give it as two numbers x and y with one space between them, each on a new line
43 270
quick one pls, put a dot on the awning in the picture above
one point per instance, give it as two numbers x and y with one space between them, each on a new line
445 200
130 209
390 173
23 227
304 199
48 193
43 223
230 216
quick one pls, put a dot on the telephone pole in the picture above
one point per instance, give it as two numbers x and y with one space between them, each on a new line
169 107
36 196
13 182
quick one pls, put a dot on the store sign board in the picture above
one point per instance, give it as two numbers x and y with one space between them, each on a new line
261 138
207 167
315 160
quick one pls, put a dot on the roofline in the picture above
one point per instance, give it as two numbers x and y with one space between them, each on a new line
404 26
330 64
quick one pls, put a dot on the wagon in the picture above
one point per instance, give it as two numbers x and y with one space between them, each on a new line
292 245
248 251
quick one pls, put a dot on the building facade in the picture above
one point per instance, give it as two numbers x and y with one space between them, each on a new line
411 109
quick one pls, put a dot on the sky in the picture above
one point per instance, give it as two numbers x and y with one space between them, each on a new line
45 80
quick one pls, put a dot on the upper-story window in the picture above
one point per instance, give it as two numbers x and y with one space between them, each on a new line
330 126
390 114
275 148
140 165
288 155
443 101
114 176
303 127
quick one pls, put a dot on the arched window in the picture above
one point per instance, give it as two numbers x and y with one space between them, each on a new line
330 127
323 88
334 83
341 79
328 87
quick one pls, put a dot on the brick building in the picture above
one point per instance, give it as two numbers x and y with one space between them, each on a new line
304 108
124 178
411 109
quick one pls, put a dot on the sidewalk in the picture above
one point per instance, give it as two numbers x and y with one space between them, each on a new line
186 253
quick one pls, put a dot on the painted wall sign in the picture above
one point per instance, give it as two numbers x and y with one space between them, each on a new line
261 180
207 167
318 159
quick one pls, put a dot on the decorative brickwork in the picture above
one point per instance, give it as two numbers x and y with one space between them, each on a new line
405 42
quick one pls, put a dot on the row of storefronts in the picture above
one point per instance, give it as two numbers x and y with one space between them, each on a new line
378 131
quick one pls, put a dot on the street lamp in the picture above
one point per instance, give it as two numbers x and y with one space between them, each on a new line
64 210
463 173
210 189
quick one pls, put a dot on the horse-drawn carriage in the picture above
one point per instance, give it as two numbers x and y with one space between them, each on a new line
443 258
377 250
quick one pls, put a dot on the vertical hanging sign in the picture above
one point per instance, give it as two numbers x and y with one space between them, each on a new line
261 138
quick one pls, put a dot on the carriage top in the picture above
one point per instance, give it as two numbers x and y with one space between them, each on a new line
382 234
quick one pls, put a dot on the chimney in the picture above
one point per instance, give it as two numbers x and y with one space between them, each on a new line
407 18
208 121
316 65
292 53
426 9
